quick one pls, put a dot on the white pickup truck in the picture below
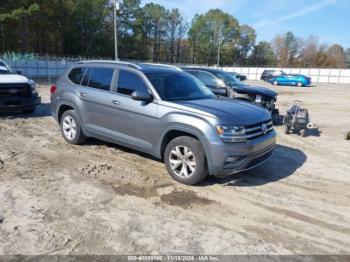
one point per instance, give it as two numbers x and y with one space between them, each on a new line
17 92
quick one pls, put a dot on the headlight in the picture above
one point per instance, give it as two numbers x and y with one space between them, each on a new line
231 134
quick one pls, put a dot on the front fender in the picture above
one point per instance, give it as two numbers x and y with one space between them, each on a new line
196 126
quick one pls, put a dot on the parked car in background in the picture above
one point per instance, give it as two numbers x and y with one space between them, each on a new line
165 112
261 96
17 93
216 85
268 74
291 80
239 76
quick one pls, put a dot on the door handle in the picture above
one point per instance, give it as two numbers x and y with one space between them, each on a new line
82 94
115 102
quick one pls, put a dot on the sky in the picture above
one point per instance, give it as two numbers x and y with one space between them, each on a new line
329 20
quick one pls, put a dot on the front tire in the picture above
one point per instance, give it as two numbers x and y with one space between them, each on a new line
275 83
185 160
71 128
300 84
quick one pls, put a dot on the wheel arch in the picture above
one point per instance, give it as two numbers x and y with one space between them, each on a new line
177 131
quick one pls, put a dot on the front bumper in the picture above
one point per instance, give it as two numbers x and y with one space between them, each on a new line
248 155
17 104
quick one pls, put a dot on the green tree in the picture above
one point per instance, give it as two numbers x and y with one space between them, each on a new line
262 55
246 41
210 30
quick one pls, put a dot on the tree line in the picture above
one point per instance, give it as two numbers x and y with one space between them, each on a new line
153 33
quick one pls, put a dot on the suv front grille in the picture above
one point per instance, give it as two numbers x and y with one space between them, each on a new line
255 131
10 90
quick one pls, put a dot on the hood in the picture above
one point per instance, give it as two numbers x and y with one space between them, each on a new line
230 111
257 90
13 79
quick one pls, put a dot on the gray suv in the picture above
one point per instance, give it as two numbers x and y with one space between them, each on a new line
165 112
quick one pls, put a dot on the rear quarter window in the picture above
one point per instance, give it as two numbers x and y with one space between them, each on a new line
76 75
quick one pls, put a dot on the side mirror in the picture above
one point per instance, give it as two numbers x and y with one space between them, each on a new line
141 96
19 72
220 91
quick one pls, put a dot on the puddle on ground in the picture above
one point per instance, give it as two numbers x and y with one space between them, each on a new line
182 198
185 199
132 190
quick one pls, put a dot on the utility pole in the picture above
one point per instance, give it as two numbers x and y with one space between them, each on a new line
219 48
115 10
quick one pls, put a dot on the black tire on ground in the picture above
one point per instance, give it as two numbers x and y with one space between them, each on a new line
79 137
201 169
286 129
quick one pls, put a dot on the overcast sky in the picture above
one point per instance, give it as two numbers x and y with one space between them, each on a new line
327 19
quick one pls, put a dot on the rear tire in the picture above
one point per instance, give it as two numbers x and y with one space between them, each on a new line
185 160
71 128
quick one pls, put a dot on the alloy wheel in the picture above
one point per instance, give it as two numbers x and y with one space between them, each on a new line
69 127
182 161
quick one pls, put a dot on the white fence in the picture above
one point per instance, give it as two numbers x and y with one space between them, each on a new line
332 76
55 68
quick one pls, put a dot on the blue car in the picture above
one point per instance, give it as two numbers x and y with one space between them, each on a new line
291 80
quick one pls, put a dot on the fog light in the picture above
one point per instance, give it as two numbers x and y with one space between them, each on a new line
232 159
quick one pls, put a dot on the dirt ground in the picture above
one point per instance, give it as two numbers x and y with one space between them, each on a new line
100 198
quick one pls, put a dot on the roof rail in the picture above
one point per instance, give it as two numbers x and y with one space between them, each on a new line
163 65
117 62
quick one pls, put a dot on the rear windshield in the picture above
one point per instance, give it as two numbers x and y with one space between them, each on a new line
179 86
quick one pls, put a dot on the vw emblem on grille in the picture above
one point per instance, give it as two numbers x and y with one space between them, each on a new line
264 129
13 91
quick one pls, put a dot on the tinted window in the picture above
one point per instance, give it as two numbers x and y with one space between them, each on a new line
129 82
101 78
76 75
209 79
176 86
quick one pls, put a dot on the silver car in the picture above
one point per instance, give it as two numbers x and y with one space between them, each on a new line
165 112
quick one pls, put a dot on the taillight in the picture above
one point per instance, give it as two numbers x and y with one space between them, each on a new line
53 89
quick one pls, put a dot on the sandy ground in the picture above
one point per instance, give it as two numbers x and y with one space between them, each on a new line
103 199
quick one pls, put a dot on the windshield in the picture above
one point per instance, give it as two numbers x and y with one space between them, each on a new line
179 86
207 78
228 78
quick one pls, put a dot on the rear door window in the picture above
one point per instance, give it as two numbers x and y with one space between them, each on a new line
129 82
76 75
100 78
